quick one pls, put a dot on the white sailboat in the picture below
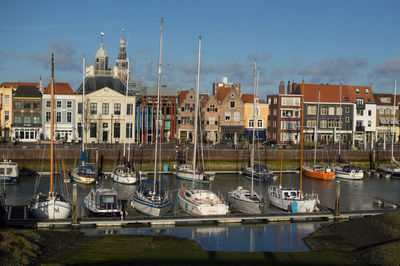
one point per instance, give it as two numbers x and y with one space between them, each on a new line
50 205
292 199
84 173
125 173
150 199
199 201
244 200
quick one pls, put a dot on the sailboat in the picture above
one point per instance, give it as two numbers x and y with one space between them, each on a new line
244 200
199 201
103 202
50 205
125 173
84 173
318 171
150 199
346 171
292 199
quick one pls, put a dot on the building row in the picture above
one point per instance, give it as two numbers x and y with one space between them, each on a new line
110 108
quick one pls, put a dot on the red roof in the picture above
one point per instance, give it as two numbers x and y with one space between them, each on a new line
204 101
62 88
17 84
182 96
331 93
249 98
221 93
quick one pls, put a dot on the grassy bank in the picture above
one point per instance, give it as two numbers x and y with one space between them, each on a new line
23 247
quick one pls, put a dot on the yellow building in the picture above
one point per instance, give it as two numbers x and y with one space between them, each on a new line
5 112
261 117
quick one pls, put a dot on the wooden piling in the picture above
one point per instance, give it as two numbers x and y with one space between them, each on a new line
337 212
74 205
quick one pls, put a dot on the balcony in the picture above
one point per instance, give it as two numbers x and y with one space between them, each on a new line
360 128
360 106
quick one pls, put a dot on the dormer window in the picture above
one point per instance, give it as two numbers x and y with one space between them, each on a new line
357 90
346 99
366 90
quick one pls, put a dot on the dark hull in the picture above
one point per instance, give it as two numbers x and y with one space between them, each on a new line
258 176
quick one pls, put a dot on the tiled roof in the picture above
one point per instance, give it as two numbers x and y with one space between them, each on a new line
62 88
182 96
27 91
249 98
17 84
331 93
204 101
221 93
384 98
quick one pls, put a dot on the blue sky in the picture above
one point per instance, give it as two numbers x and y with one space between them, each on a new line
356 42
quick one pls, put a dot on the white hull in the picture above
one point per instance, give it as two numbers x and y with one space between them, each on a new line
185 172
82 179
51 209
294 204
124 179
201 202
240 200
352 176
149 208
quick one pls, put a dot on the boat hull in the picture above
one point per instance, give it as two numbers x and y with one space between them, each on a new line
250 207
324 175
51 209
129 180
149 208
87 180
351 176
192 208
9 179
291 205
187 174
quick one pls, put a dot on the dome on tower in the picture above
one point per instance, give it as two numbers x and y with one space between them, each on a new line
122 41
101 52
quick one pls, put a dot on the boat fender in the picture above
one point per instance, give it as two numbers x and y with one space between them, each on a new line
175 166
84 205
353 172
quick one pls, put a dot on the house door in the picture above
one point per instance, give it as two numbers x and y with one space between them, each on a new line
105 136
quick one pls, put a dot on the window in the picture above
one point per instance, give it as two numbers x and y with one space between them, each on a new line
17 118
311 109
324 110
366 90
347 119
232 104
227 116
48 104
79 129
347 110
360 112
58 117
251 123
339 111
211 121
331 110
212 108
381 111
369 123
236 116
290 113
58 104
311 123
117 108
117 129
6 99
322 124
290 101
105 109
93 130
48 114
69 117
346 99
331 123
6 115
387 111
360 101
129 109
260 123
36 118
36 105
69 104
338 123
357 90
128 132
17 105
93 108
369 112
27 119
27 105
105 125
80 108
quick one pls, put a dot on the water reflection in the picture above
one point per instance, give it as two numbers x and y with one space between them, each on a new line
242 238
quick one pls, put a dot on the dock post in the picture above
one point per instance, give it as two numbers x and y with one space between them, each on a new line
74 205
97 163
337 213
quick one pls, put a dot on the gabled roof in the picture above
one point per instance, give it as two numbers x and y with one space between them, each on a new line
17 84
249 98
95 83
27 91
331 93
204 101
182 96
61 88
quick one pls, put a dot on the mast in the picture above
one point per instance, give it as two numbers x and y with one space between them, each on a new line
158 105
301 143
254 118
196 111
340 118
126 106
316 127
394 117
83 102
130 131
52 126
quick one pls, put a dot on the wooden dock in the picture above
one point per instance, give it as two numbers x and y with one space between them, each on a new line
172 220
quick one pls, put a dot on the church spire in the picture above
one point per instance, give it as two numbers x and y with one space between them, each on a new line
122 61
101 59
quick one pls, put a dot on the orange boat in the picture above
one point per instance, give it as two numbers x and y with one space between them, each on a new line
318 172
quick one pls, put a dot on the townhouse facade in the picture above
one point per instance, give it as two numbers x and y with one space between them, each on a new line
260 117
185 115
387 118
6 102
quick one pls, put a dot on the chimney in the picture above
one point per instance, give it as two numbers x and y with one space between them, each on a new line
294 86
288 87
282 87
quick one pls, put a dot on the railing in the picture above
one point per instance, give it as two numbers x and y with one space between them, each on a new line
360 128
360 106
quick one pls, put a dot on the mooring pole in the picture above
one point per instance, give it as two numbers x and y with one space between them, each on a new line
97 163
337 213
74 204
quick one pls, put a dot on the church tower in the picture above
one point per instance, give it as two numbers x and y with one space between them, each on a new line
101 60
122 61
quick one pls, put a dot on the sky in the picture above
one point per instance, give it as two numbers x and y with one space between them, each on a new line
353 41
